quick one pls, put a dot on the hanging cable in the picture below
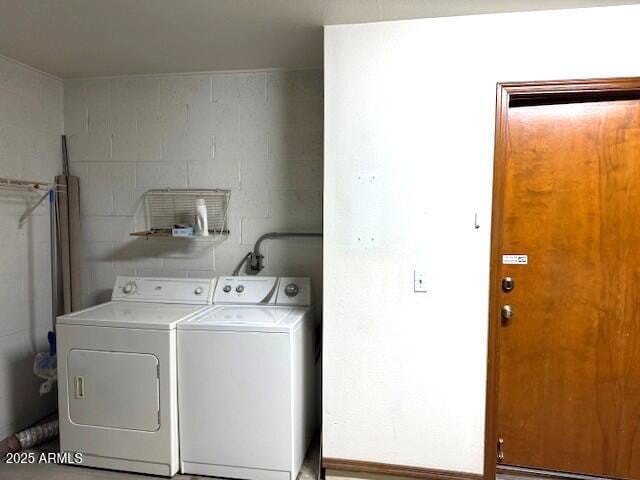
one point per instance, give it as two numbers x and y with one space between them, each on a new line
236 272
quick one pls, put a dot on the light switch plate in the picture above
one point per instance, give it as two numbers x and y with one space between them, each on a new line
419 281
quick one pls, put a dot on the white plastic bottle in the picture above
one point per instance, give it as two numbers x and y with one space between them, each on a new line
202 227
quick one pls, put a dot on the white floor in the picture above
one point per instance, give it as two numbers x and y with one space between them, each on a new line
64 472
309 470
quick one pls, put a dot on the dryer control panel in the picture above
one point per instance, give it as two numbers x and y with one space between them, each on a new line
191 291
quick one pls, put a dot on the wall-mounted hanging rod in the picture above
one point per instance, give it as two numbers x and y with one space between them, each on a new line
18 185
7 183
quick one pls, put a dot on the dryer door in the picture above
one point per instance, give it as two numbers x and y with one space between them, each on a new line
113 389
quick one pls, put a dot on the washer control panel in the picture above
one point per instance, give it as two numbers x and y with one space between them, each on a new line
294 291
286 291
194 291
246 290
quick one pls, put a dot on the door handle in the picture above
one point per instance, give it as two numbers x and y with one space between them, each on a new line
506 312
79 386
500 450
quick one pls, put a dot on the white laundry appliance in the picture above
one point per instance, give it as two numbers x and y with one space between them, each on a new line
117 374
246 380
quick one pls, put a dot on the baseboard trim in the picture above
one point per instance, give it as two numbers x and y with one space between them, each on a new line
376 468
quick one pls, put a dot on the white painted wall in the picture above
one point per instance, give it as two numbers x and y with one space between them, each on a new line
257 133
413 103
30 129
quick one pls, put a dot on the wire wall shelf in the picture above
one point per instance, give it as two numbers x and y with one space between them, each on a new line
169 208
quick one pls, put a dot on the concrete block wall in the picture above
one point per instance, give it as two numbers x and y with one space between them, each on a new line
30 127
256 133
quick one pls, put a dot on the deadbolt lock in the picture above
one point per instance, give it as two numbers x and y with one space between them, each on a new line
507 312
507 284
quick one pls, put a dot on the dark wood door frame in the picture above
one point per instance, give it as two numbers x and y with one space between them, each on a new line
510 95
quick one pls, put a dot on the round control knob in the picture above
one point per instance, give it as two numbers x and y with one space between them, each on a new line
198 291
129 288
291 290
240 288
227 288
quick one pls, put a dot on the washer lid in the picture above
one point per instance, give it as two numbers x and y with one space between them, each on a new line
245 318
152 316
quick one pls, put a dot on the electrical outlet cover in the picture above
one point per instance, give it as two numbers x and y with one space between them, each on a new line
419 281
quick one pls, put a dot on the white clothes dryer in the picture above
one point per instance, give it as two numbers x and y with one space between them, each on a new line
117 374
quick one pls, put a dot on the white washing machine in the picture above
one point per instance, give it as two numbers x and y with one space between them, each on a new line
117 374
246 380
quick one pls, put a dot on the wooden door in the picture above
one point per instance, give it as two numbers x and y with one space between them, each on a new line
568 360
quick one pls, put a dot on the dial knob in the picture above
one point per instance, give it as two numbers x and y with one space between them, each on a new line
198 291
240 288
227 288
291 290
129 288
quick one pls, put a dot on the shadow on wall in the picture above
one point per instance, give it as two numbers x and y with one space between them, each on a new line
25 405
295 155
26 229
297 257
26 312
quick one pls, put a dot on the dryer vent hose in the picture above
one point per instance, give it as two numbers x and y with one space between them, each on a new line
29 438
38 434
